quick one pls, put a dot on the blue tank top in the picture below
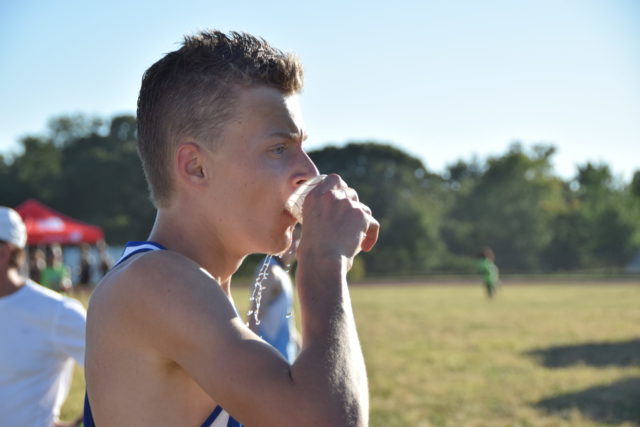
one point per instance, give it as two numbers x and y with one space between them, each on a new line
218 417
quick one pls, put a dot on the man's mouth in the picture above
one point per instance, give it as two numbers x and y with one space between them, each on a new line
289 215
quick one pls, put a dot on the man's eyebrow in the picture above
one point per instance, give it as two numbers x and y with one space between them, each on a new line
295 136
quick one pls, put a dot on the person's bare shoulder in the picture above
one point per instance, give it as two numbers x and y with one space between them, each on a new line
165 303
158 287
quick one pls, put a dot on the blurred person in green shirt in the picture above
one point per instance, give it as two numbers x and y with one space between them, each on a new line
489 271
55 275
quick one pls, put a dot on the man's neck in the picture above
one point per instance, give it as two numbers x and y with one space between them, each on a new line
10 282
188 239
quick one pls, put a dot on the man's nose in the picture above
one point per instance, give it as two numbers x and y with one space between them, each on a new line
308 169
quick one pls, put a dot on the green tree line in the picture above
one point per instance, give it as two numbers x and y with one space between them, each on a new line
514 203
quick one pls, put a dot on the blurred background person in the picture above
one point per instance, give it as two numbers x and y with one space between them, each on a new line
106 262
86 267
41 334
277 326
55 275
37 263
489 271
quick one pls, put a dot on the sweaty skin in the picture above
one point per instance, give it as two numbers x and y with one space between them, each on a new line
164 342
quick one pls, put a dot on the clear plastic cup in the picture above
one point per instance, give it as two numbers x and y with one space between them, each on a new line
296 200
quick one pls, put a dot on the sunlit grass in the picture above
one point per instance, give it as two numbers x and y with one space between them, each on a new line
446 356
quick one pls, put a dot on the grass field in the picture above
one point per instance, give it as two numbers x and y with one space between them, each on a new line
538 355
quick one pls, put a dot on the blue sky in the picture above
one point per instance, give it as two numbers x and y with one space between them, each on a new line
442 80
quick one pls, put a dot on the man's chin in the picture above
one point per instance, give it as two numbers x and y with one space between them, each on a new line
279 241
283 244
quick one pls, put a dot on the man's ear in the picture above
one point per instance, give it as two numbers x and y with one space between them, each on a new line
190 163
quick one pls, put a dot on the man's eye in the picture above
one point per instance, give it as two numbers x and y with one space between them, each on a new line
279 149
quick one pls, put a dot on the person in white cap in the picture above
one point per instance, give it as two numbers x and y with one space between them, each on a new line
41 334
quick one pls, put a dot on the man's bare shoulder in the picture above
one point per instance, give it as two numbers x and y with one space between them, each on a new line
145 319
155 287
146 272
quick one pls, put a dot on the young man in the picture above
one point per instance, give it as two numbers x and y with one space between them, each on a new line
41 333
220 138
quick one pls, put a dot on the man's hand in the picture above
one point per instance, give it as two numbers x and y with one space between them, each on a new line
335 222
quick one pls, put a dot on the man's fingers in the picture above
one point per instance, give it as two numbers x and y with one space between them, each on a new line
334 184
331 182
351 194
365 208
371 234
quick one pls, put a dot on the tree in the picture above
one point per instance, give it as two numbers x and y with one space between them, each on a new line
635 184
65 129
508 207
87 168
37 171
105 184
570 246
608 216
403 197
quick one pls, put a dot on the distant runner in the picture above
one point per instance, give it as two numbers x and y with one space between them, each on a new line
489 270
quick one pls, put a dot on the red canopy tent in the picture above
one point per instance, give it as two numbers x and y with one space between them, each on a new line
44 225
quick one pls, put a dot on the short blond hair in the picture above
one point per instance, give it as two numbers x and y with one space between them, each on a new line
190 92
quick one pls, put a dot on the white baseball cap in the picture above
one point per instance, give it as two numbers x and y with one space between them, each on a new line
12 229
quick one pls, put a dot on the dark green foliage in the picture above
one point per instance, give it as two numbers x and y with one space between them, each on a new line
106 185
508 207
569 248
92 176
635 184
404 197
88 168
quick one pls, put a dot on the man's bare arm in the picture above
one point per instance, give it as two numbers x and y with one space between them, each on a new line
328 325
179 310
